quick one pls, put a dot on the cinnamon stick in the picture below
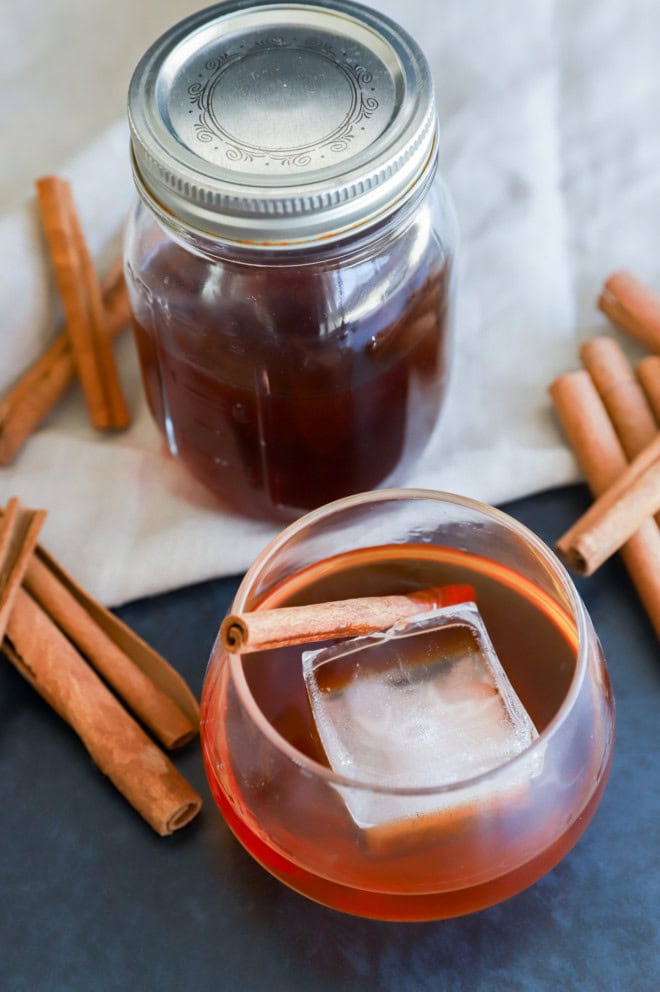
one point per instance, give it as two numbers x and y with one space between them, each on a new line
648 373
615 515
590 433
141 654
243 633
145 681
82 302
120 748
634 307
19 529
621 393
149 702
632 419
32 398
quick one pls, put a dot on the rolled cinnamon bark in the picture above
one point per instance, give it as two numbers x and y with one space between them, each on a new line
154 707
141 654
35 394
621 393
636 427
120 748
648 373
591 436
616 515
82 301
243 633
634 307
19 529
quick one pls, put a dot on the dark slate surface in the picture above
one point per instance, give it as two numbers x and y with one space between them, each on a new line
91 899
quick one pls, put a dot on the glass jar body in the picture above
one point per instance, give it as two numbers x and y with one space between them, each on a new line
286 377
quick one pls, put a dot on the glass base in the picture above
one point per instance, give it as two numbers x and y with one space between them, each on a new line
411 907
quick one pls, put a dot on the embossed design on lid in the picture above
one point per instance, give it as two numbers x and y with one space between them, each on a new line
333 134
279 124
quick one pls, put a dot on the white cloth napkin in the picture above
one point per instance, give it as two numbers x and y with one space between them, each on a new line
551 146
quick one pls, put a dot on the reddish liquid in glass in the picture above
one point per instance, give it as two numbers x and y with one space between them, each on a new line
277 399
536 643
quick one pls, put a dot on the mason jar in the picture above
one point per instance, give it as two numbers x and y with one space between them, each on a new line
290 255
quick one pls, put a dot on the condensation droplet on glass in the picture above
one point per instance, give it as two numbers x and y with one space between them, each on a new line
240 413
373 343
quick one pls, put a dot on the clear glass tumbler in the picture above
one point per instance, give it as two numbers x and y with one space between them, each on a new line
489 836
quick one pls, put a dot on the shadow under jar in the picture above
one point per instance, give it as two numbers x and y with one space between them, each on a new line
462 844
289 259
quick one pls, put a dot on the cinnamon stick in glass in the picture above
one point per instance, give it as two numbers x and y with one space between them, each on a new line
243 633
590 434
120 748
648 373
35 394
82 302
634 307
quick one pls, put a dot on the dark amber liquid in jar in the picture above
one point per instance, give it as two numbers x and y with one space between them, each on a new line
284 386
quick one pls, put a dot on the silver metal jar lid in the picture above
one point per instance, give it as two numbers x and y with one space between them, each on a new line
277 124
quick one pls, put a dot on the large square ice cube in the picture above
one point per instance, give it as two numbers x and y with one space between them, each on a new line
423 704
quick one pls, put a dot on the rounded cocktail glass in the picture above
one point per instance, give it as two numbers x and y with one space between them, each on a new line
458 846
